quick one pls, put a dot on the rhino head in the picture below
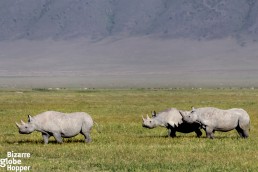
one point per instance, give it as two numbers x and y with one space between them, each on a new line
26 128
149 122
189 116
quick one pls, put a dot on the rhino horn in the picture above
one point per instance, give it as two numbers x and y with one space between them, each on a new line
18 125
148 116
22 122
143 118
182 113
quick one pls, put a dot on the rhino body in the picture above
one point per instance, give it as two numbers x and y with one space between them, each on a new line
214 119
173 121
57 124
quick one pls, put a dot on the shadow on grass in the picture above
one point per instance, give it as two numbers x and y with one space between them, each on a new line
187 136
41 141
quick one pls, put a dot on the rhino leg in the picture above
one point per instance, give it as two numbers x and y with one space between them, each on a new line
86 136
45 137
240 131
58 137
171 132
86 132
243 133
209 132
198 132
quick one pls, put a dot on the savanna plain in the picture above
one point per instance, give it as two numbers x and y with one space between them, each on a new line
119 142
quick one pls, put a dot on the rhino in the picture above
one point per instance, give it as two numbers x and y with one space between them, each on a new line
173 121
57 124
213 119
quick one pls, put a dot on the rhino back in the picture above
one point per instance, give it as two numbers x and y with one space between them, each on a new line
53 121
170 116
223 120
242 114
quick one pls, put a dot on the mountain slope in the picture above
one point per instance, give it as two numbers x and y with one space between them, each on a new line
68 19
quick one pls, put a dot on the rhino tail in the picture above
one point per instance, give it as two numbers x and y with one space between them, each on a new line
99 128
250 126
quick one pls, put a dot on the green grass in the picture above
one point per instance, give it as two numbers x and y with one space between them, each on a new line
119 141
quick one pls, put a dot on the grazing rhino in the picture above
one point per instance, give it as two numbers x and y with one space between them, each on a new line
213 119
57 124
172 120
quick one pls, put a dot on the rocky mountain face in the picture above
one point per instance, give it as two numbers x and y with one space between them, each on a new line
97 19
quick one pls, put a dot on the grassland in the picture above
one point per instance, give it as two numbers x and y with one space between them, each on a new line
119 141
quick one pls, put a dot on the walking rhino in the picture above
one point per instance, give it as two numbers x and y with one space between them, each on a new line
213 119
57 124
173 121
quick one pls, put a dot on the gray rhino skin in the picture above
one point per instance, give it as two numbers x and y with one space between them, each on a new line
214 119
57 124
173 121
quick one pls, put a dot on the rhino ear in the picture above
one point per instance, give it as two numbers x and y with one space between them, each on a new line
193 109
30 119
154 114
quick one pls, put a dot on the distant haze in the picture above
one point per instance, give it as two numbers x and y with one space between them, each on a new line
121 43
